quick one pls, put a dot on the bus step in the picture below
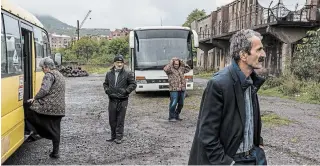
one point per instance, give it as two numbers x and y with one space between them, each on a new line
27 135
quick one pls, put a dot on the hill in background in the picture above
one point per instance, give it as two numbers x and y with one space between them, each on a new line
54 25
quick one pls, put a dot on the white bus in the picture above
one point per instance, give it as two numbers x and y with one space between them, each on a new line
151 48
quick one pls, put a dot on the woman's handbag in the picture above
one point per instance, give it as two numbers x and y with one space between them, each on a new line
37 106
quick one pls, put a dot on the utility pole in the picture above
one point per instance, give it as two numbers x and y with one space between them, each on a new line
80 26
78 29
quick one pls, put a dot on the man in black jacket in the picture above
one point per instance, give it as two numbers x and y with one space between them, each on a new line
229 123
118 84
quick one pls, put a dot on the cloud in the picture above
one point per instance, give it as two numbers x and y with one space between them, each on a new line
117 14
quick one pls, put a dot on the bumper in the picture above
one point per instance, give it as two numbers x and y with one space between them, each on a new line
158 87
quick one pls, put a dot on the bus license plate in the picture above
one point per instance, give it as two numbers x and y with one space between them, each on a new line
163 86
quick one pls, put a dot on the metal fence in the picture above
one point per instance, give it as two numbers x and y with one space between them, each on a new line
259 17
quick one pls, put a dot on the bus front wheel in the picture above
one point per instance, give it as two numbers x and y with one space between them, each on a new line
186 94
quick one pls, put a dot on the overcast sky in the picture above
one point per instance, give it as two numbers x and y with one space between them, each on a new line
119 13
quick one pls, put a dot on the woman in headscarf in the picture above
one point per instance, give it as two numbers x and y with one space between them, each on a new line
48 106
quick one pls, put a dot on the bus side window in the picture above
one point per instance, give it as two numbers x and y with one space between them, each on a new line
46 44
39 47
13 41
3 52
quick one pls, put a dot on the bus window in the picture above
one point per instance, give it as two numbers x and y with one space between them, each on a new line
14 55
3 52
46 43
39 47
45 50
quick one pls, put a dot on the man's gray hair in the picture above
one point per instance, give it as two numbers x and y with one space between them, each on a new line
47 62
241 41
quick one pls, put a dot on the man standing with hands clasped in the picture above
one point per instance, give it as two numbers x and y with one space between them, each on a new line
118 84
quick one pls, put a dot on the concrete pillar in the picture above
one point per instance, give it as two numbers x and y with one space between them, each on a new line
222 57
209 59
228 57
205 59
213 58
286 56
205 48
199 57
216 58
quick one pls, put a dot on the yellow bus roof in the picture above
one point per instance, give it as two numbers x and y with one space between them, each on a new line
20 12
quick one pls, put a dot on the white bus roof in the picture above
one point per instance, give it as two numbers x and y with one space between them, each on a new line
162 27
20 12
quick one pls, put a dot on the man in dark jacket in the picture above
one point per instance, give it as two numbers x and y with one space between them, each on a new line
118 84
229 123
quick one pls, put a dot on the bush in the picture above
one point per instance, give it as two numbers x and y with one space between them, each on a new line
306 59
99 69
272 82
101 59
290 85
313 89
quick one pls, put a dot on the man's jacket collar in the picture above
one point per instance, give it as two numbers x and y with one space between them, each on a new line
238 75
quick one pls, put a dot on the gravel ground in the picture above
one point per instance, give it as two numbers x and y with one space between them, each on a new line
151 139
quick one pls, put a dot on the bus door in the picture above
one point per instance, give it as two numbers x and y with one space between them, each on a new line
26 32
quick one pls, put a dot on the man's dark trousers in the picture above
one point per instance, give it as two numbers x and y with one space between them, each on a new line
117 112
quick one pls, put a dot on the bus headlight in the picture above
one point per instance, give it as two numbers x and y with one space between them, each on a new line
189 78
141 80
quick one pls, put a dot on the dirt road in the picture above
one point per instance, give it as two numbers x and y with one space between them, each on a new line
151 139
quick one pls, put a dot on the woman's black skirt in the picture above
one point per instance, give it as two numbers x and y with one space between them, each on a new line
47 126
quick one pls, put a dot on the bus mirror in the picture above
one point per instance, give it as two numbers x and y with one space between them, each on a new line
131 39
58 59
194 53
195 39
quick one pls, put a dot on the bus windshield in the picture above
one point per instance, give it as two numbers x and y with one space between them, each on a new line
155 48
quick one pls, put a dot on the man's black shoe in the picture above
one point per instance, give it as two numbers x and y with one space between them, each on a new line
54 155
178 119
172 120
110 140
118 141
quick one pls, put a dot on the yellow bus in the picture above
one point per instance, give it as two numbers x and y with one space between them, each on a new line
24 42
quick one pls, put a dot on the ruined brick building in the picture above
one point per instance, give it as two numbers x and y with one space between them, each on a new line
281 28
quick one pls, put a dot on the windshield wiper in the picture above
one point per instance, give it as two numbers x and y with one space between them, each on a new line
150 67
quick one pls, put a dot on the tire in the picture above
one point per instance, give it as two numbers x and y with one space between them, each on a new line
137 92
186 94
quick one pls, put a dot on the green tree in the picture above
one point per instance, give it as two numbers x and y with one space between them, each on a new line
306 60
196 14
85 48
119 46
66 53
58 50
69 55
103 47
103 42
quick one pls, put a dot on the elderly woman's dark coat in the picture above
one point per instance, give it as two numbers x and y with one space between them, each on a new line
48 108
